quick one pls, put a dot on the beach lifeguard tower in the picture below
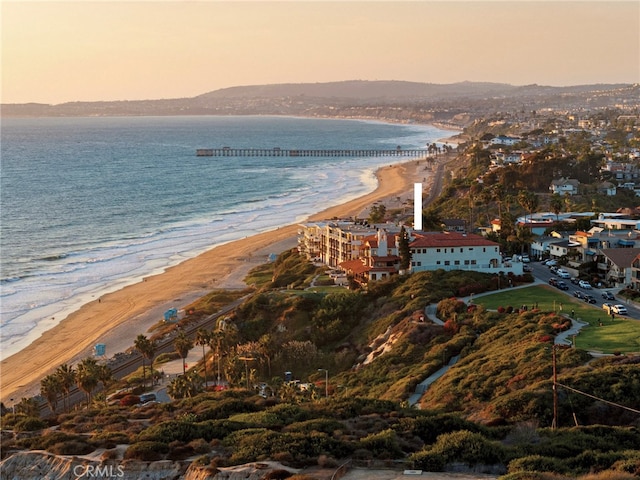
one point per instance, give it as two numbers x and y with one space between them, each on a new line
171 315
100 350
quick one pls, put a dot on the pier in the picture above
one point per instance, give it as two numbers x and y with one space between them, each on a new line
283 152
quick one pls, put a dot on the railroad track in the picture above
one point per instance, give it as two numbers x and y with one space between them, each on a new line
122 364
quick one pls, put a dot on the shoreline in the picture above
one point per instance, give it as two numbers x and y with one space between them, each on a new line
118 317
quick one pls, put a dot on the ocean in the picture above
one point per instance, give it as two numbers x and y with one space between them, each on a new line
90 205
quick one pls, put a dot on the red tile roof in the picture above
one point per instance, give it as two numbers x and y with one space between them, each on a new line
450 239
356 266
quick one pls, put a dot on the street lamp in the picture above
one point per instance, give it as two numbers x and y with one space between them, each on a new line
326 381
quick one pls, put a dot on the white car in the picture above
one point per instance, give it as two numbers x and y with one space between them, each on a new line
619 309
584 284
563 273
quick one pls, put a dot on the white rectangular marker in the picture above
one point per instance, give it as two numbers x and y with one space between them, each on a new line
417 206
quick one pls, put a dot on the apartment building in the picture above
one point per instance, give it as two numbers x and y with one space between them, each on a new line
334 242
457 251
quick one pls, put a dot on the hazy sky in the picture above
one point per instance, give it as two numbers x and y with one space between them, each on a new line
53 52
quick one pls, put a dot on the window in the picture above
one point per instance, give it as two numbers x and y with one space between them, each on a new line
473 262
447 262
437 250
457 262
466 262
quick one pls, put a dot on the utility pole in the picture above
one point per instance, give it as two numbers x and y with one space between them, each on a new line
554 425
326 381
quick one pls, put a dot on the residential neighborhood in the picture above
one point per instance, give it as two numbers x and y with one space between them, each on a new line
551 184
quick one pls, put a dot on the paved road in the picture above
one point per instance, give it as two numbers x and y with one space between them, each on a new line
543 273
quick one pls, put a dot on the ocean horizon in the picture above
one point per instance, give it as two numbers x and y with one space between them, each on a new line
93 204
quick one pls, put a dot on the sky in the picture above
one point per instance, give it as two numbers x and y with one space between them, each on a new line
55 52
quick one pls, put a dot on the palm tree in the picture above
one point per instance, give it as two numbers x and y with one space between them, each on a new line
147 349
182 344
203 337
528 200
87 376
104 375
556 204
187 385
50 388
67 376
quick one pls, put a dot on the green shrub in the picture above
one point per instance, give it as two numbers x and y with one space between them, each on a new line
427 460
219 429
200 446
71 447
326 425
29 424
147 451
429 428
180 450
110 439
224 408
468 447
537 463
48 440
167 432
593 461
382 444
522 475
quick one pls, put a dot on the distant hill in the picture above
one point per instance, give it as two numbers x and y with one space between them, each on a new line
322 99
361 89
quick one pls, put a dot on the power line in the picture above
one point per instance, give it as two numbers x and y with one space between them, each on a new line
599 399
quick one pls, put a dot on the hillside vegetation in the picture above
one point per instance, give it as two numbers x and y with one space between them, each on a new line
492 411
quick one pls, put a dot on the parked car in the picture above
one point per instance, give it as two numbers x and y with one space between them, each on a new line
589 299
553 282
525 259
550 263
553 269
526 268
619 309
563 273
148 397
578 294
584 284
608 296
575 280
562 285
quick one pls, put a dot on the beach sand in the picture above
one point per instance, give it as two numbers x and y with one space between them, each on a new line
117 318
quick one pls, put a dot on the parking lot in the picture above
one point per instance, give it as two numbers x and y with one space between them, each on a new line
597 297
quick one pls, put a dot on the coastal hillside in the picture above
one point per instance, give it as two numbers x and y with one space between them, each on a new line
491 416
457 104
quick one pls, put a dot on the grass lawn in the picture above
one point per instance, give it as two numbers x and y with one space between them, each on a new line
619 335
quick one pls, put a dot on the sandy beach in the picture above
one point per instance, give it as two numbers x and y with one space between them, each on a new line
117 318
